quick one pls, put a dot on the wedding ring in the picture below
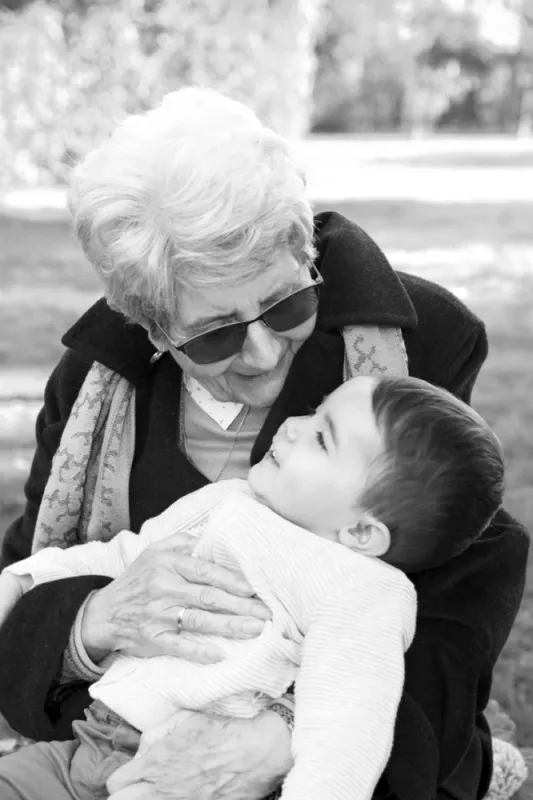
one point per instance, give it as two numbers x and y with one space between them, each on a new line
179 620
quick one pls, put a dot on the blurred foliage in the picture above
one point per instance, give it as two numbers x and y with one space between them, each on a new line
70 68
423 65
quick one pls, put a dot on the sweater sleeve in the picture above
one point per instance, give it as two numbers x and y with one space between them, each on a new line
113 557
348 690
93 558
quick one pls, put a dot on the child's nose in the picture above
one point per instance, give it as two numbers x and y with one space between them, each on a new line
291 429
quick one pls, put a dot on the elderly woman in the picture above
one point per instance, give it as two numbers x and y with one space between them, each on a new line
226 310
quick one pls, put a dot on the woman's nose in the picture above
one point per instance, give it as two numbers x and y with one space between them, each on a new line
261 349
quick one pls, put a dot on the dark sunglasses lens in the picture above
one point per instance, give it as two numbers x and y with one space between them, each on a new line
226 342
216 345
293 311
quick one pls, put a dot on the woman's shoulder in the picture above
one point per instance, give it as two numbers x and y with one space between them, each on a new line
104 335
437 307
448 341
64 384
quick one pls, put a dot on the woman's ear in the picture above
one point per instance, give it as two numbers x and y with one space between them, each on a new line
369 536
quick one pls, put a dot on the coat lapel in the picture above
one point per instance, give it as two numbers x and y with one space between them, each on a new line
160 472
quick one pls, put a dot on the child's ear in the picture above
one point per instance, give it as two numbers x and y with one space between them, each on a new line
369 536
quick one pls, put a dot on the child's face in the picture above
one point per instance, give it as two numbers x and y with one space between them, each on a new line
318 465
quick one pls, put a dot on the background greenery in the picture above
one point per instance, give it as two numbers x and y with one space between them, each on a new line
70 68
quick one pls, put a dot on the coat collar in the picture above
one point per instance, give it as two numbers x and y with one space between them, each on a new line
360 288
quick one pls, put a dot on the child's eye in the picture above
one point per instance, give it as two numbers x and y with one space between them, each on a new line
320 440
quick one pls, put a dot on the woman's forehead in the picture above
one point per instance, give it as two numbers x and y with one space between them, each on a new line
229 300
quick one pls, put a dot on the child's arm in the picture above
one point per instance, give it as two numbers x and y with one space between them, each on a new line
111 558
93 558
348 691
358 618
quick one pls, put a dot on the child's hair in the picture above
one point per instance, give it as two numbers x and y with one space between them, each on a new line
441 478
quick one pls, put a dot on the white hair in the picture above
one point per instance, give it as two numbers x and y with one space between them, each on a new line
188 193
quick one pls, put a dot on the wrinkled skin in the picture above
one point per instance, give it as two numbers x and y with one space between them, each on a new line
137 613
201 757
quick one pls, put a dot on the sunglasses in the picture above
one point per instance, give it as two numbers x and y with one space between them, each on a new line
226 341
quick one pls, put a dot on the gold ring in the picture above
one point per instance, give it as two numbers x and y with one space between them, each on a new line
179 621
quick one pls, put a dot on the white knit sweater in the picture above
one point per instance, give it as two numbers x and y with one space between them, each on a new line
341 623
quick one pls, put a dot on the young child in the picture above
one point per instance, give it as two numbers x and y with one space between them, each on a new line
391 468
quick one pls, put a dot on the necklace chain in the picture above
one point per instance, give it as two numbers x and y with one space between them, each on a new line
183 435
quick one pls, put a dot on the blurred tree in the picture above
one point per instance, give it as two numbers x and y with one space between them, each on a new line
33 92
70 68
260 52
347 37
413 64
14 5
524 68
506 96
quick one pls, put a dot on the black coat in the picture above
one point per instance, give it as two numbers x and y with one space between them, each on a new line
466 607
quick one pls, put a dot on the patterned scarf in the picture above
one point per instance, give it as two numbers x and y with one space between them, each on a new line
87 494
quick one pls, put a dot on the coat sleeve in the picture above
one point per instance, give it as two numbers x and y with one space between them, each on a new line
466 611
36 632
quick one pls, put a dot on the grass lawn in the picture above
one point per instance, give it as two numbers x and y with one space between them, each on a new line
482 251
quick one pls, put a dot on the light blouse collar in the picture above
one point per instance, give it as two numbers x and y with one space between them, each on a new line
223 413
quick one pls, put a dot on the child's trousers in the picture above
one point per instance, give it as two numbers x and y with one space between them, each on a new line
73 770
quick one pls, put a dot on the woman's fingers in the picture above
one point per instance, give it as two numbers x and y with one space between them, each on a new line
173 644
215 600
180 542
230 626
196 570
138 612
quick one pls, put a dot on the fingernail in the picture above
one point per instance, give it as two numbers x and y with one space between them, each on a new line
252 626
262 612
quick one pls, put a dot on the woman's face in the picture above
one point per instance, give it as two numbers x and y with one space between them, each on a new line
256 374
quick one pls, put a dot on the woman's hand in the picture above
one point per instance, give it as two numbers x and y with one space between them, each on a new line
208 758
138 612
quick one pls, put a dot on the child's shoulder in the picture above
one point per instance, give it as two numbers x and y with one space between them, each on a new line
222 490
